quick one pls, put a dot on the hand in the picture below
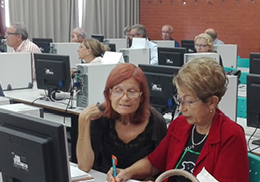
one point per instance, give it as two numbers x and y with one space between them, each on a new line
91 112
121 175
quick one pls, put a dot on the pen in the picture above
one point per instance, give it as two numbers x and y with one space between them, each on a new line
114 163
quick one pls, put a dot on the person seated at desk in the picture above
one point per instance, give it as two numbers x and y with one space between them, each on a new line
138 30
91 51
213 33
203 136
128 128
78 35
204 43
167 32
17 37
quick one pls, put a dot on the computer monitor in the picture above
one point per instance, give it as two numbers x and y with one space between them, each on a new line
43 44
253 101
254 63
189 45
99 37
112 47
52 73
171 56
159 80
32 149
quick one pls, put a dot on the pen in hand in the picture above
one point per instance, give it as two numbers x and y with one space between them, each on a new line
114 163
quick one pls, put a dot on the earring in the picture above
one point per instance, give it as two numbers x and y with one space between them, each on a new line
210 110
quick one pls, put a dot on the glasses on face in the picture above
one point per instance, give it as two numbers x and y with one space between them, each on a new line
200 45
9 33
184 103
132 94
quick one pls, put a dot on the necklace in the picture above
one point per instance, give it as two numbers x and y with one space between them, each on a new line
192 137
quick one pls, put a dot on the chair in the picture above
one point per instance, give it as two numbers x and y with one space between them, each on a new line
254 168
174 172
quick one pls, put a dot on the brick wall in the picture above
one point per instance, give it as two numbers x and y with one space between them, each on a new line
236 21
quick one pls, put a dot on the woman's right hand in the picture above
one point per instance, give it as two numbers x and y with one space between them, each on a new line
121 175
91 112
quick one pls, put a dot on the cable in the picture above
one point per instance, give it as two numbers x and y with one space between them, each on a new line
248 141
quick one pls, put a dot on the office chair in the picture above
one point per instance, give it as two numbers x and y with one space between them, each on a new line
176 172
254 168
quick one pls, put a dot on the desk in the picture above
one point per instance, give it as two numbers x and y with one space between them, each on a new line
28 96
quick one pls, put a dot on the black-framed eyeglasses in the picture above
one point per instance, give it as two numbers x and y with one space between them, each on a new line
184 103
9 33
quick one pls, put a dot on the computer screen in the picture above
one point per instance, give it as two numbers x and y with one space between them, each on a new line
43 44
161 89
52 72
99 37
171 56
253 101
32 149
189 45
112 47
254 63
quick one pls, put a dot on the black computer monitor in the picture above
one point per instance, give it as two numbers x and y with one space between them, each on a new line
171 56
52 73
99 37
43 44
32 149
189 45
112 47
254 63
161 88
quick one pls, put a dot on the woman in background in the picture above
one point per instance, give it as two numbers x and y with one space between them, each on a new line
204 43
125 125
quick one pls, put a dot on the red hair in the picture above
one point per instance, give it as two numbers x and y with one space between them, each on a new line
119 74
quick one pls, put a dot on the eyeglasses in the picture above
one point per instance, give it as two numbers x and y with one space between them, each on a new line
9 33
130 94
200 45
133 35
184 103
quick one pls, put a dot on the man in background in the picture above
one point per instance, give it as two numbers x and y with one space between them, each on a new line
78 35
167 32
17 37
138 30
213 33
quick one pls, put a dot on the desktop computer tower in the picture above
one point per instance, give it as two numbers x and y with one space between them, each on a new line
136 56
67 48
90 83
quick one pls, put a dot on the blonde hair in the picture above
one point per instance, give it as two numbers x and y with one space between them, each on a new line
97 48
204 77
208 40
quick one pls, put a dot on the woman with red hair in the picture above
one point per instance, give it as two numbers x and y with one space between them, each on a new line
125 125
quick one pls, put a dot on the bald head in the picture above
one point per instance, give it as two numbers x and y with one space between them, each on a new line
167 31
212 32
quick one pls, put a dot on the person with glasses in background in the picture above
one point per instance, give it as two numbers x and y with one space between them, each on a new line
125 125
167 32
204 43
17 37
202 137
139 30
78 35
127 34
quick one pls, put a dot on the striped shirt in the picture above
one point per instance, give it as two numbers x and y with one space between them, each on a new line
28 46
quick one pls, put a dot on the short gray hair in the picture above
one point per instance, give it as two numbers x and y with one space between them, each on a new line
20 30
140 29
80 32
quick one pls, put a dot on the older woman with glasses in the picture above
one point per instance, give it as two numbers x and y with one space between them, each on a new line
204 43
125 125
202 137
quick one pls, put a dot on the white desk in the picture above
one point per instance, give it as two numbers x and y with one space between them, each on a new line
29 96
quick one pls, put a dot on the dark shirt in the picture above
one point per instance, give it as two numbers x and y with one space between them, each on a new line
105 142
176 43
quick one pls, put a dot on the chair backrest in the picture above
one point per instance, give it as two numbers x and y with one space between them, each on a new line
254 168
176 172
